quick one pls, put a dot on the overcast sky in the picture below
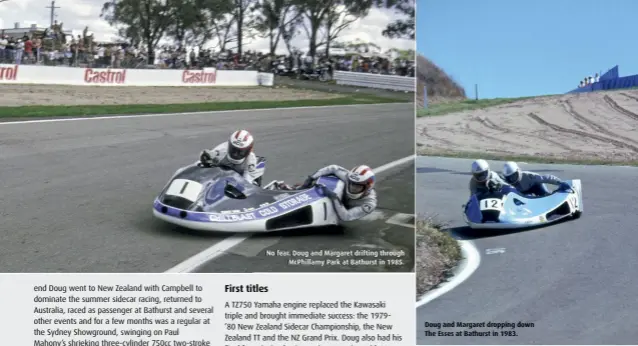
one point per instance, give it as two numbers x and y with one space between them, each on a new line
77 14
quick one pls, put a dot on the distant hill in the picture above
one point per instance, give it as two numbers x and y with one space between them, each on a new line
441 88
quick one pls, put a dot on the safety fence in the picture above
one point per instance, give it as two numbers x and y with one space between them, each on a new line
608 81
618 83
376 81
34 74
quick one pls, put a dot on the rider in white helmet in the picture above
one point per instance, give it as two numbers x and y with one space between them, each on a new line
529 182
236 153
482 176
360 198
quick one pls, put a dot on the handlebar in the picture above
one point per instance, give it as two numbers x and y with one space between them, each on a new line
493 186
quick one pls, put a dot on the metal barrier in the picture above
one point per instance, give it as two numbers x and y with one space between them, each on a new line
425 96
377 81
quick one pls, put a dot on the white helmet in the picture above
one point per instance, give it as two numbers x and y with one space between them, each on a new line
240 144
360 182
480 170
511 172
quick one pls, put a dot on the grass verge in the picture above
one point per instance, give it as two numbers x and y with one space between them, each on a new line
93 110
437 253
466 105
524 158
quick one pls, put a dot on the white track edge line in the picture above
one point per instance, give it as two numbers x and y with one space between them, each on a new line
150 115
471 262
195 262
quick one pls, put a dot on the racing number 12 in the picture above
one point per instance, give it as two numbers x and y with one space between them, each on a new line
494 203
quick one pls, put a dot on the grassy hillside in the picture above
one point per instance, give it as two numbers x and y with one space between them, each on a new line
441 87
445 95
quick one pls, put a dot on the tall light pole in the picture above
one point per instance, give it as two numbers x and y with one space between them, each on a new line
53 8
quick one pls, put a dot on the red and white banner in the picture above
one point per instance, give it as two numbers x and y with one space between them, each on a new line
30 74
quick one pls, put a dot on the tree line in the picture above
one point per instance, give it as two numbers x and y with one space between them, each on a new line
234 23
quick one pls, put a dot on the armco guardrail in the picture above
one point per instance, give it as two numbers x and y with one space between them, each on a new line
33 74
377 81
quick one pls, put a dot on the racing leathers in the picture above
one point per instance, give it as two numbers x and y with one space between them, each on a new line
534 183
348 209
219 156
482 187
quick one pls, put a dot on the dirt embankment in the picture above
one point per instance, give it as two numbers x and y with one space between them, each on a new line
440 87
36 95
601 126
437 253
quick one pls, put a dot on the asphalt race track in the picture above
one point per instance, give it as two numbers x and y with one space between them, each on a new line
575 281
77 195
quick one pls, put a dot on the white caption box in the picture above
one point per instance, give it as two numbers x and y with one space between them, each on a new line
208 309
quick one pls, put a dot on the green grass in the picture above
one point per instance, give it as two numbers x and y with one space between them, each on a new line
466 105
524 158
437 254
94 110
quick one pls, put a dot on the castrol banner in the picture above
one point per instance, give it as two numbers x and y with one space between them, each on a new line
30 74
8 73
95 76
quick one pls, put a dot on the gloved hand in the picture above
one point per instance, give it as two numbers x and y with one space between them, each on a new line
308 182
205 159
327 192
494 186
564 187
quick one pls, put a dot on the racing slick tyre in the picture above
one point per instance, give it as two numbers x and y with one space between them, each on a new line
577 214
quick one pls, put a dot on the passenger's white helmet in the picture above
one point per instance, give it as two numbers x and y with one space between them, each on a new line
360 182
240 144
511 172
480 170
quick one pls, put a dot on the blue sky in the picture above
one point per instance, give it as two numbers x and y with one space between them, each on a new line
514 48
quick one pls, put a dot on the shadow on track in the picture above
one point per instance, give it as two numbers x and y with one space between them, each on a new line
467 233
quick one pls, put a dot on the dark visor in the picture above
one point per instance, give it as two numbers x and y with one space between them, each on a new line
237 153
355 188
512 178
482 176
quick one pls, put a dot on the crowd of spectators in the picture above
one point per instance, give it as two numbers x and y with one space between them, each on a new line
372 64
16 50
84 52
36 49
78 51
589 80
